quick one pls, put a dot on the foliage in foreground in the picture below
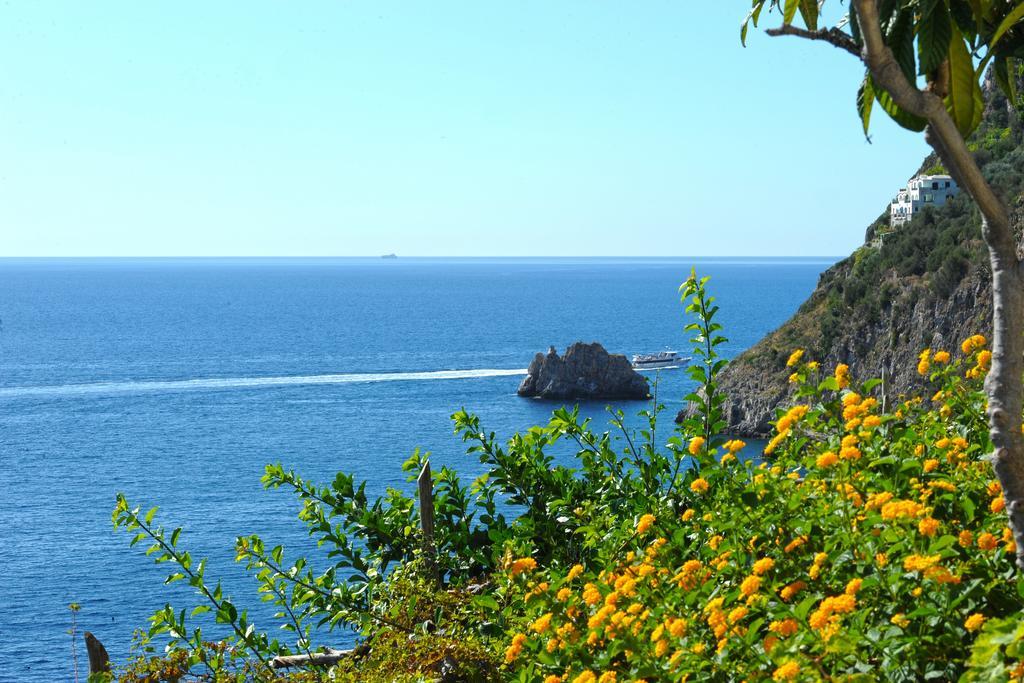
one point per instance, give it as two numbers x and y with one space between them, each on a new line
872 545
869 544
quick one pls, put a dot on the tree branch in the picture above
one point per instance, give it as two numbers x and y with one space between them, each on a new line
887 74
1003 381
832 36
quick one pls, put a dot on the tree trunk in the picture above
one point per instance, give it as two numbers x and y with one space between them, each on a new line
1003 387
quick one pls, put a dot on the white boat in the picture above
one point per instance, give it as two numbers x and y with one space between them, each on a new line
662 359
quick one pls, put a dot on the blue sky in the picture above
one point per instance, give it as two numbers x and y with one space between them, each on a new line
442 128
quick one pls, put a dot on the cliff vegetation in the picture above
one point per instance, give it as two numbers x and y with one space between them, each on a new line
923 284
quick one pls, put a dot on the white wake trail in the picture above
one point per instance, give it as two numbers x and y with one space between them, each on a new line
213 384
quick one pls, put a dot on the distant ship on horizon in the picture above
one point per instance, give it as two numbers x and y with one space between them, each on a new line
390 256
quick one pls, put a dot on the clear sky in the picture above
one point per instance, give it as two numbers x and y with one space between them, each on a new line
430 128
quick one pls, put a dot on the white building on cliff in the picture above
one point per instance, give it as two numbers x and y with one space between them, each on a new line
921 191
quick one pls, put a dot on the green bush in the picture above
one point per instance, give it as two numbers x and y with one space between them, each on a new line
871 545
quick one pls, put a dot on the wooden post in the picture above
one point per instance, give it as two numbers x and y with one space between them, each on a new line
328 658
99 660
426 489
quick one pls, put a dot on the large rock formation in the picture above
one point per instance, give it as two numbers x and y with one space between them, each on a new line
925 284
586 372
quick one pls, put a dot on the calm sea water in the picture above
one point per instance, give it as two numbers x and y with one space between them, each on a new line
175 381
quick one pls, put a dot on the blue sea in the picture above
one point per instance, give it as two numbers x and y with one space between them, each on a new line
175 381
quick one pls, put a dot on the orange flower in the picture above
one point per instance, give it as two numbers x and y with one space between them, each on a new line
787 672
784 628
987 541
523 564
515 648
790 591
842 375
928 526
972 344
827 459
974 622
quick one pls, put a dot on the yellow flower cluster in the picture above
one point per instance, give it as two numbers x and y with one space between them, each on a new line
972 344
982 363
827 459
645 523
901 509
842 375
864 524
787 672
924 362
734 446
827 618
515 648
784 425
523 564
974 622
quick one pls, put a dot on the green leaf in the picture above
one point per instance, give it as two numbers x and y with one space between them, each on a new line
829 384
805 606
1001 69
865 99
1006 24
964 90
809 13
900 40
790 11
485 602
934 33
753 16
900 116
968 506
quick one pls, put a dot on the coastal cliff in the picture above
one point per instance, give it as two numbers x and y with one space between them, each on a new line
924 284
586 371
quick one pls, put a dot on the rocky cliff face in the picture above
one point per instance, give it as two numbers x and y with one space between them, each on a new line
586 372
757 381
924 284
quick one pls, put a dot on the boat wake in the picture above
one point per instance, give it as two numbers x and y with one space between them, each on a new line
219 383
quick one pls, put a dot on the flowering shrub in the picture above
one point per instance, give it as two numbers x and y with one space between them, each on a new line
868 543
872 544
